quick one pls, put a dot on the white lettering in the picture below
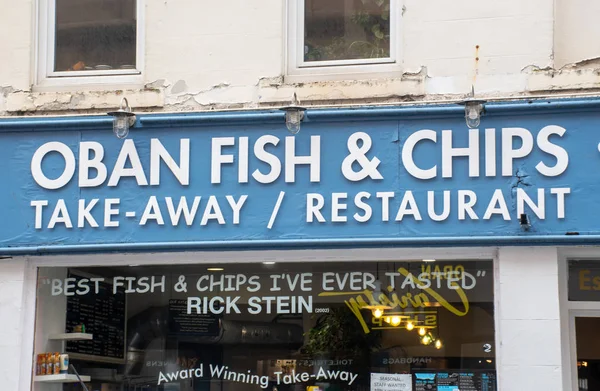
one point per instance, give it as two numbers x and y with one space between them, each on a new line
67 173
509 154
86 163
313 160
218 158
407 154
561 155
128 153
158 153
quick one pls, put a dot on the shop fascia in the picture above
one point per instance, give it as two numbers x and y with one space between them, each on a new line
88 168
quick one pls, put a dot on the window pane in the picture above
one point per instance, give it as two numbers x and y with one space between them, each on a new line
288 326
346 29
584 280
588 353
95 35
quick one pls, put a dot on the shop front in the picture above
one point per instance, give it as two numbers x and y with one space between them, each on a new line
377 249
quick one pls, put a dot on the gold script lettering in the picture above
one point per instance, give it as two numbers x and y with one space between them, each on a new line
365 298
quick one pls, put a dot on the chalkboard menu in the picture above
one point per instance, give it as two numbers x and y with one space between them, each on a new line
193 324
103 315
455 381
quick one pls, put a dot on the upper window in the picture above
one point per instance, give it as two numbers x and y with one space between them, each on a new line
341 33
80 38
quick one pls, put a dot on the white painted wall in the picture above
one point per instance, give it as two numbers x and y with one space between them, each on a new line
49 319
12 290
231 54
529 355
577 32
16 46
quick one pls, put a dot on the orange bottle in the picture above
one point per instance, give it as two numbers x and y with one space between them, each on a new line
49 364
38 365
43 364
56 359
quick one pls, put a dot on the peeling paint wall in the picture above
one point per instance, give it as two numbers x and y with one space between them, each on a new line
484 43
16 45
231 54
577 36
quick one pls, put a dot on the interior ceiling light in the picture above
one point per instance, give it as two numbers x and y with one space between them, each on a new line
426 340
123 119
215 269
377 306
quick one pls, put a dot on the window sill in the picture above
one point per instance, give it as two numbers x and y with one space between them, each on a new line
90 83
326 90
343 72
72 101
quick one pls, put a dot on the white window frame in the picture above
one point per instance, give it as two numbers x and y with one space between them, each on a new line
588 313
45 76
569 310
32 263
369 67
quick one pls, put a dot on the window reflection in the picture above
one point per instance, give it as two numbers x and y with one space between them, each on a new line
346 29
95 35
301 326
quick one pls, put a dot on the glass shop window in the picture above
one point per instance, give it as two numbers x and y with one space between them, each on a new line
90 37
323 326
346 30
584 285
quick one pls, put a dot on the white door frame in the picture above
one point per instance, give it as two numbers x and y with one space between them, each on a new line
578 313
224 257
571 310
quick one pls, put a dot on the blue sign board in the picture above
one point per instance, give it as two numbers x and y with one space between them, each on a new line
385 178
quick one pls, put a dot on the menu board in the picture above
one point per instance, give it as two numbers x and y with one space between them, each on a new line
182 323
103 315
487 381
425 382
455 381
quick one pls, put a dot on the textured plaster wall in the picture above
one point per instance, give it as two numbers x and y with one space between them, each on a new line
16 24
529 353
484 43
231 54
578 32
12 277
